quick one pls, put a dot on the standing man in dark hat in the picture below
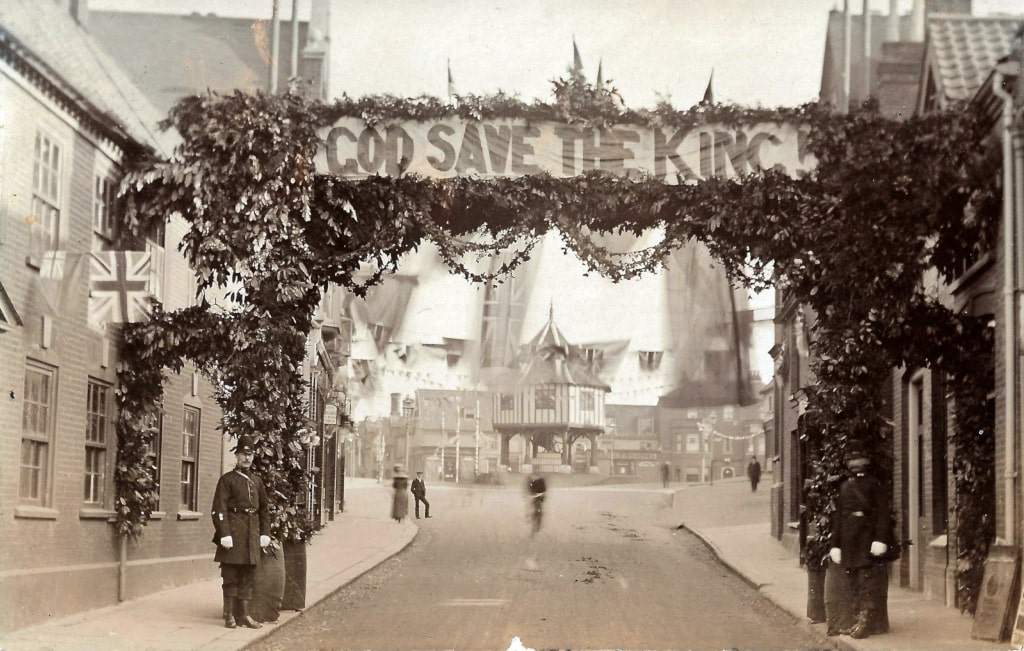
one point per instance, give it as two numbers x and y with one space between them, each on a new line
242 523
754 473
861 535
419 491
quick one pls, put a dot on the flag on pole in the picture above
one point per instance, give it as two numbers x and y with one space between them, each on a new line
577 61
709 94
119 287
451 82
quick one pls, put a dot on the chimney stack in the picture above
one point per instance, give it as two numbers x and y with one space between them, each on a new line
892 22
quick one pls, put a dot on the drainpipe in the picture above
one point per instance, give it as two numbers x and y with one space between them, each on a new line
1009 316
122 569
845 107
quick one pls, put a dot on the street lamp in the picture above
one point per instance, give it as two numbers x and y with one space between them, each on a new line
407 409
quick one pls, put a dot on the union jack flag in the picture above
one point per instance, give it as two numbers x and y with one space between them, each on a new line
119 287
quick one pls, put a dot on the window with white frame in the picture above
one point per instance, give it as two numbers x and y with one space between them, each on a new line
189 458
46 190
104 199
693 442
155 423
155 247
97 443
37 435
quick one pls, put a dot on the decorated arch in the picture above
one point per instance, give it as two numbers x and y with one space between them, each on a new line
285 196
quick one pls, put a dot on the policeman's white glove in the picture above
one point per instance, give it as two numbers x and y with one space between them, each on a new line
226 542
836 555
264 541
878 548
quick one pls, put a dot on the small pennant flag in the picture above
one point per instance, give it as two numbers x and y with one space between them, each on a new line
119 287
709 94
451 82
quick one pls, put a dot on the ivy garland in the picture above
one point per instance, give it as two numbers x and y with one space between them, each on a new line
887 201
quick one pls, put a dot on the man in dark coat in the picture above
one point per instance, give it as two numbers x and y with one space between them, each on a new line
419 491
754 473
241 521
861 534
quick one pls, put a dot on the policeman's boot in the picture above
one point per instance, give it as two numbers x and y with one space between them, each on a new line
243 615
229 612
861 628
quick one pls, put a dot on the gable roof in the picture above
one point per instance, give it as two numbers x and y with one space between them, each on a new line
553 360
960 51
171 56
43 42
9 317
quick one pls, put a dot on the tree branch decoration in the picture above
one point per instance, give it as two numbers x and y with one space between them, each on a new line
887 201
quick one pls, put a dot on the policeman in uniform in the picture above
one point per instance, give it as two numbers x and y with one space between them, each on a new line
861 534
242 528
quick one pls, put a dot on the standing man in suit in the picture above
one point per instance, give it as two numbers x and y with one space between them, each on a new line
419 491
241 520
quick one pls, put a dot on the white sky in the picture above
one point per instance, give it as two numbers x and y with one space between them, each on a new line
763 52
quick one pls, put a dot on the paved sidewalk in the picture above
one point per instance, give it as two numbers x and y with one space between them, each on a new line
188 618
735 523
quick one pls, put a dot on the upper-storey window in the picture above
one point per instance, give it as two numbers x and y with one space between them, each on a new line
46 189
155 246
104 201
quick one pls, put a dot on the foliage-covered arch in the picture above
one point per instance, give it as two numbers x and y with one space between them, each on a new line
887 201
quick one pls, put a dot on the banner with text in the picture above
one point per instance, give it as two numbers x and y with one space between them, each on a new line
453 147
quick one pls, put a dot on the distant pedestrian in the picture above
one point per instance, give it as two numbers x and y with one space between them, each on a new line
400 500
665 472
241 522
754 473
861 535
419 491
537 488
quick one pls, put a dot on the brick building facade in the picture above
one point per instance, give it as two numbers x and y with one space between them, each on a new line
68 120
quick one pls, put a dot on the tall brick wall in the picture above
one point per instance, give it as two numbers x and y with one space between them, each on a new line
65 558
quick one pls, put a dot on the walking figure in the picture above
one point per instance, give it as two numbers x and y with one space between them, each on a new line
537 488
419 491
754 473
665 471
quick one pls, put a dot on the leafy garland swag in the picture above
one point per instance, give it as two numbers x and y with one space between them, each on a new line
852 240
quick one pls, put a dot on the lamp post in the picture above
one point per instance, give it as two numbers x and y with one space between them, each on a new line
407 409
611 456
458 435
444 436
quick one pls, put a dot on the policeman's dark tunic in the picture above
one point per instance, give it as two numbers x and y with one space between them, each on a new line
862 517
240 510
